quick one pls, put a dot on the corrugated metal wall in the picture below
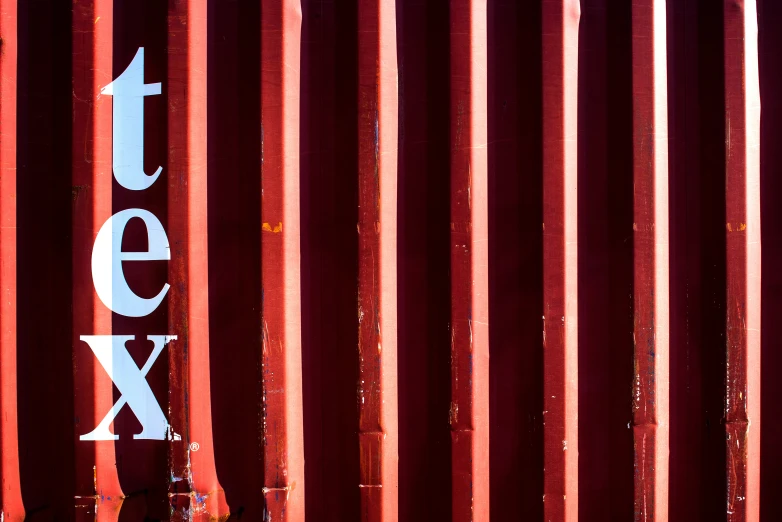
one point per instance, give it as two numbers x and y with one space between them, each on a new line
426 260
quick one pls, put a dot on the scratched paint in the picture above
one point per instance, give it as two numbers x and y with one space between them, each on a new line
467 259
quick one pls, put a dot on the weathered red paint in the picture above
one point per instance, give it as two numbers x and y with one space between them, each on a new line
469 323
742 216
280 260
560 258
11 505
398 177
98 491
194 489
650 264
377 288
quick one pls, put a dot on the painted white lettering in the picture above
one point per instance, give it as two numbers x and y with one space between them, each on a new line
131 381
108 277
129 91
107 258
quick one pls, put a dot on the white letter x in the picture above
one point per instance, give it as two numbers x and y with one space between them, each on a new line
132 384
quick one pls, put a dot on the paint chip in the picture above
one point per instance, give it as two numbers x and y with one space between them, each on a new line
268 228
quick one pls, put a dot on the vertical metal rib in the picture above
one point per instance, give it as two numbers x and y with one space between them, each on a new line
192 457
650 265
283 438
469 413
11 508
377 292
97 481
560 242
742 213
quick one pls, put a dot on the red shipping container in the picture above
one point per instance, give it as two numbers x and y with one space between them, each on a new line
382 260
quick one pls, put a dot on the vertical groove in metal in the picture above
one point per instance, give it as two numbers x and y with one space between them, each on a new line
283 438
377 290
363 438
742 213
650 265
11 507
469 412
194 487
560 269
97 481
770 74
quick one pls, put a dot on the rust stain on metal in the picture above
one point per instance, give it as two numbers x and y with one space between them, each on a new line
500 136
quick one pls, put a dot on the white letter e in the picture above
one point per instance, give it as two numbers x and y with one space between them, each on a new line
107 258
